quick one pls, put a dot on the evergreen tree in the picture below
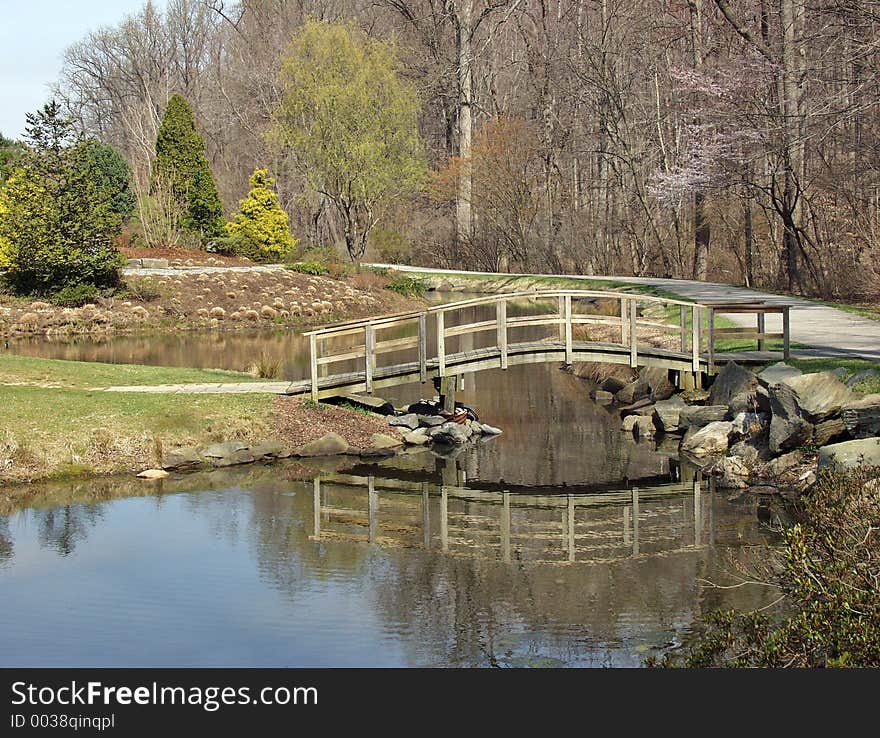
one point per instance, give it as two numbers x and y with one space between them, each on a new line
57 224
261 224
182 166
10 152
112 176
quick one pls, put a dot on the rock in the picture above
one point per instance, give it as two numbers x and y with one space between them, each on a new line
365 402
430 421
377 453
410 421
241 456
788 429
747 452
380 440
601 396
612 385
694 396
667 414
490 430
862 417
658 381
641 407
182 458
153 474
329 444
778 372
748 425
778 466
644 427
732 473
697 416
711 439
756 401
219 450
732 380
270 449
851 453
629 423
828 431
861 377
449 434
820 395
417 437
633 391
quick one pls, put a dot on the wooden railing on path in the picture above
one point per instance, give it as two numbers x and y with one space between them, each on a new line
370 339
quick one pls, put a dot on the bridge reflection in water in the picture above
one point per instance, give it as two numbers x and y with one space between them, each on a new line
559 528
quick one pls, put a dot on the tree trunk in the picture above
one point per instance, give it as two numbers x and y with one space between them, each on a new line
464 39
702 229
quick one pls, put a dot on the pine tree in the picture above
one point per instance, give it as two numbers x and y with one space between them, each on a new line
182 166
261 224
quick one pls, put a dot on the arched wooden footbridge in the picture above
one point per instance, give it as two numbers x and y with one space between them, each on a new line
440 342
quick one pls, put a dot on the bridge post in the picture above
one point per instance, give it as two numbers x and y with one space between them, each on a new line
561 332
569 346
501 329
711 341
786 333
682 321
633 335
762 343
313 365
370 356
423 348
441 344
447 393
623 319
696 319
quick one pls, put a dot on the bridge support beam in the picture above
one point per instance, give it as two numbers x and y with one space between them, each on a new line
447 393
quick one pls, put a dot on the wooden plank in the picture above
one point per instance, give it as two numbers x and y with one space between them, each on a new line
423 348
682 326
623 321
786 333
567 331
383 347
746 333
501 322
696 317
370 357
711 340
441 344
525 320
761 329
334 358
460 330
633 335
563 321
313 365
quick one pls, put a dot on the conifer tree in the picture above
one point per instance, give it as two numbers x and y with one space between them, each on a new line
261 224
182 166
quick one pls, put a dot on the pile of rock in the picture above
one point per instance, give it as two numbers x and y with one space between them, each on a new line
435 429
760 424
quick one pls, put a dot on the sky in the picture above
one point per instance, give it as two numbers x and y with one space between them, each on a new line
33 37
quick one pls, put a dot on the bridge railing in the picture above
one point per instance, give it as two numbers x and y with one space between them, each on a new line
370 339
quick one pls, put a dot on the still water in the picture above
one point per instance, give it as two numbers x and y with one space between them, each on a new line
559 543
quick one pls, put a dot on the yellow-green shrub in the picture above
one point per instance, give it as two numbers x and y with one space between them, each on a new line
261 227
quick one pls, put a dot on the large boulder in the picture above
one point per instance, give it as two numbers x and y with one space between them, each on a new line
381 440
711 439
329 444
731 381
410 421
696 416
755 401
829 431
820 396
640 407
851 453
221 450
658 381
749 425
489 430
731 472
182 458
644 427
449 434
417 437
777 373
612 385
862 417
667 414
635 390
788 428
270 450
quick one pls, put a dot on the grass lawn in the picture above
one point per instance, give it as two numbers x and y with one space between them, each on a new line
62 427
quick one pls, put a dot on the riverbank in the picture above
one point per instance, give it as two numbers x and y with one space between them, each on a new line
187 298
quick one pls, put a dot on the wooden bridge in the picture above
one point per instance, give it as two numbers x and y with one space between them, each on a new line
440 342
551 527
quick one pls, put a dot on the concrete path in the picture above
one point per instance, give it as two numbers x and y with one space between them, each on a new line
827 330
185 270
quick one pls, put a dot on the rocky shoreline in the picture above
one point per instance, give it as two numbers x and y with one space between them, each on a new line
770 431
417 427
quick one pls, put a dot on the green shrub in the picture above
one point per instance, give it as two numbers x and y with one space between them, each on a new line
261 221
309 267
827 569
144 289
390 246
75 295
57 226
407 286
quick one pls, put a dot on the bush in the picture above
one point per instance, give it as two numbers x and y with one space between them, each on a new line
261 222
390 246
828 567
309 267
144 289
407 286
75 295
57 226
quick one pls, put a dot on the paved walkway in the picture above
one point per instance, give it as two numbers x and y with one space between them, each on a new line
826 330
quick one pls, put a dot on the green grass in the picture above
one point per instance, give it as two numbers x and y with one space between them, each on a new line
18 370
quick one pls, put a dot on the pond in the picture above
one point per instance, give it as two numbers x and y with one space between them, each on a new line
560 543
